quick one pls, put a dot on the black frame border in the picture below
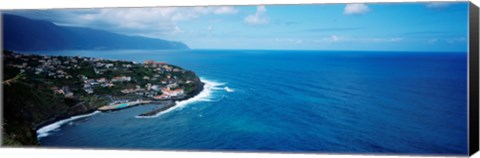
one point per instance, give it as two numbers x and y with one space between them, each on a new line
473 57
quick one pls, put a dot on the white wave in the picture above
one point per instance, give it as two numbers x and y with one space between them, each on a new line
228 89
204 96
45 130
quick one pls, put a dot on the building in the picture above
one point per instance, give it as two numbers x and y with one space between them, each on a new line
102 80
121 79
148 62
109 65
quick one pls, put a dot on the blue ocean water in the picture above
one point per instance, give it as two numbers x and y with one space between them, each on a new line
294 101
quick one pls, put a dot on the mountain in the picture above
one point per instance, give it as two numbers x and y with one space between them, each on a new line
23 34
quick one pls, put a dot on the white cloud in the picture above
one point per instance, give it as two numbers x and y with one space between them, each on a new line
352 9
190 13
225 10
176 30
333 38
437 5
152 22
258 18
210 28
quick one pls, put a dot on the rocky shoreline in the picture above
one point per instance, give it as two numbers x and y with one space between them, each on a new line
166 104
171 103
66 116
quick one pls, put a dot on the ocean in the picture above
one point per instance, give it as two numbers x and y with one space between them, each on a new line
291 101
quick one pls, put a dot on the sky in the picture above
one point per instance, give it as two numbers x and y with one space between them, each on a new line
434 26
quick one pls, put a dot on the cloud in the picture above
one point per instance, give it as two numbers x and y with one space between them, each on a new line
185 13
210 28
161 22
332 38
437 5
176 30
352 9
259 18
152 22
225 10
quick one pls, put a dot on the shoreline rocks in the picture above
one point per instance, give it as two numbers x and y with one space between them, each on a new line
171 103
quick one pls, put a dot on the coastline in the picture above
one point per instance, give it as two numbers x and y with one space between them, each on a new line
43 129
172 103
63 117
204 92
61 99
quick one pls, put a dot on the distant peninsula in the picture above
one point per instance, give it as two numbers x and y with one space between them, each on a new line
25 34
40 89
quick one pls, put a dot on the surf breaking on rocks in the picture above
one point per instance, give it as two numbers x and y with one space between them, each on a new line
204 96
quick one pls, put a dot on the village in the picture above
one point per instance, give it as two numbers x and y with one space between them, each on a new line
73 76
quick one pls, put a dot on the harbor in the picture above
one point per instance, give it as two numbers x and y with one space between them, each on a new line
123 105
